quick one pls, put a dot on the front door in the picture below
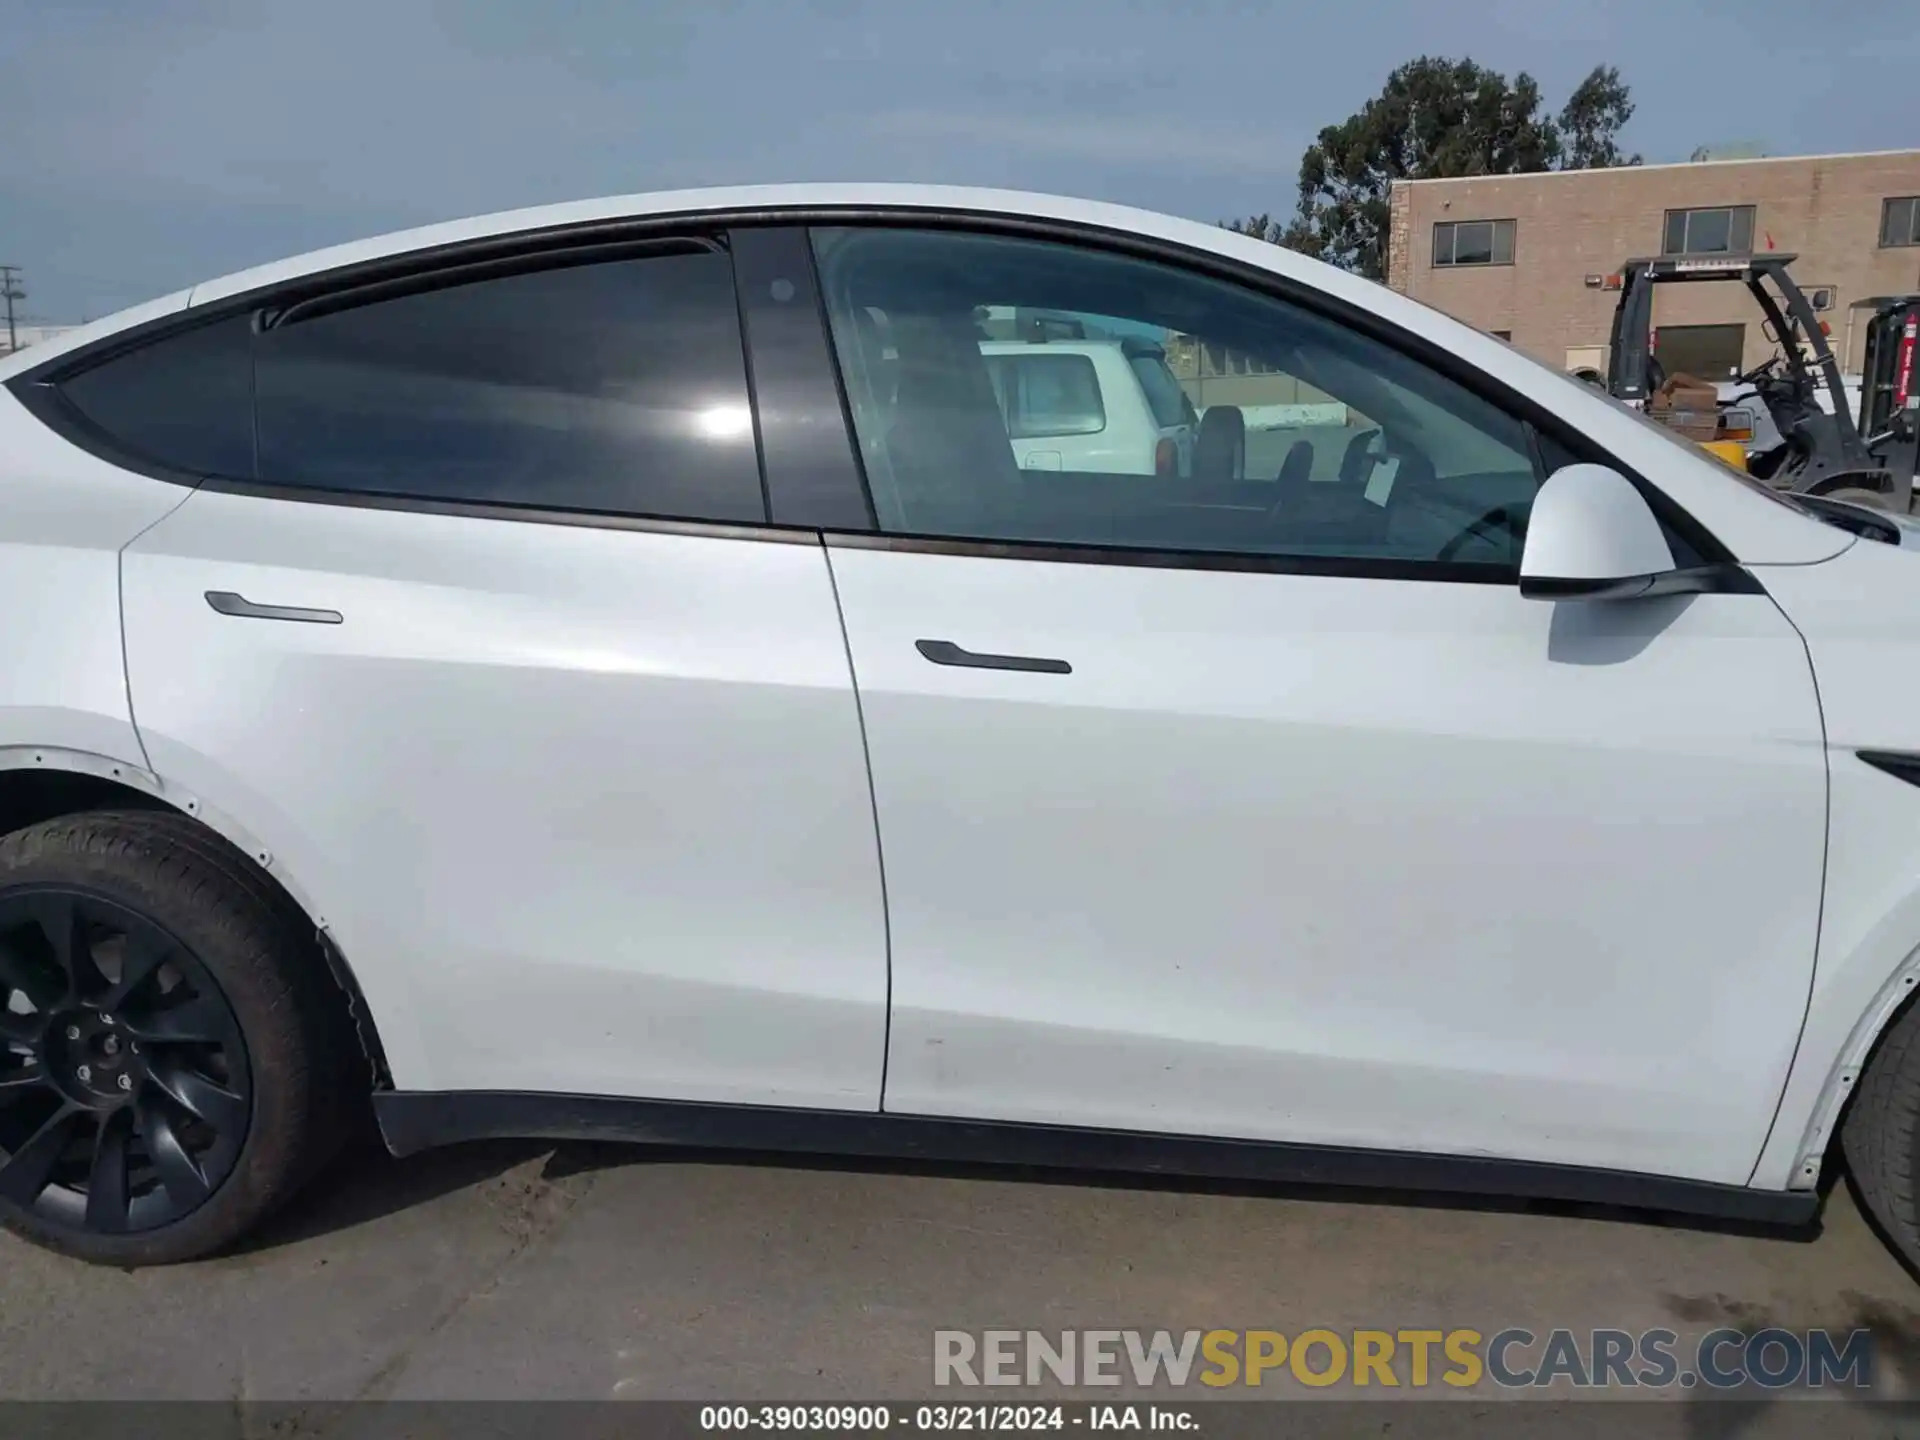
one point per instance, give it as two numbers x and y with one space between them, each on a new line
578 790
1268 807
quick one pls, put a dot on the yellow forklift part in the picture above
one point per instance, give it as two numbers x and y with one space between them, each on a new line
1730 451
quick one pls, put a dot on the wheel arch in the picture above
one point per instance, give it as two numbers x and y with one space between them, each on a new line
1817 1144
39 783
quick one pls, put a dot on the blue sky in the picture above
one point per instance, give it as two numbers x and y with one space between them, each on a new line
144 146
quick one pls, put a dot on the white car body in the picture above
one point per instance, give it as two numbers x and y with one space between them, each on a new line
675 813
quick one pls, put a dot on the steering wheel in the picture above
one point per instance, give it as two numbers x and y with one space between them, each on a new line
1485 527
1762 371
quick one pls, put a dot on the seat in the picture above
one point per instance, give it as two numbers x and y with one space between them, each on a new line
1328 514
1296 474
1353 460
953 467
1297 468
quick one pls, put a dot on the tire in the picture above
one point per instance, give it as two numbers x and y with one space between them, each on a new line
1880 1137
244 1086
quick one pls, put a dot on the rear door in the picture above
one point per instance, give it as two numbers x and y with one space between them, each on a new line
490 647
1271 809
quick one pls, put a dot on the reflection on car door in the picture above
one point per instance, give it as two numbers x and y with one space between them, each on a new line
1300 831
580 796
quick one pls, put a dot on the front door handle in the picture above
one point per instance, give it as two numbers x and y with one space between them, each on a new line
945 652
228 603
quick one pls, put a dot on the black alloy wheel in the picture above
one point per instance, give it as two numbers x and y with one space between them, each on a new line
125 1086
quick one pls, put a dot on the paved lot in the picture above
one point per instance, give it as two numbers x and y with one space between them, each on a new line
583 1272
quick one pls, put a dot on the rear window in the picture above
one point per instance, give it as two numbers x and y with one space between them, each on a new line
1044 396
1164 396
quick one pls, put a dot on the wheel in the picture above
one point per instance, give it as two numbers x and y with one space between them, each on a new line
170 1040
1880 1137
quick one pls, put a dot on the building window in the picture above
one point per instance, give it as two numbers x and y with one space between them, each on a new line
1503 335
1727 230
1900 221
1473 242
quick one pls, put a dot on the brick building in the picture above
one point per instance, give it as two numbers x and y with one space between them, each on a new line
1524 256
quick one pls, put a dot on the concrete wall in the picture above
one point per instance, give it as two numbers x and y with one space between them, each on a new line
1248 390
1570 224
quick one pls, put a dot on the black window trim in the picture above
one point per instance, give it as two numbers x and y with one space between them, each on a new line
35 386
522 514
1488 264
1352 567
444 277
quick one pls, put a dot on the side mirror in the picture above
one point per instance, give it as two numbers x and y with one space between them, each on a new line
1592 536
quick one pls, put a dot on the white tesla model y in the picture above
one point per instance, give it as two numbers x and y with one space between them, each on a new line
610 670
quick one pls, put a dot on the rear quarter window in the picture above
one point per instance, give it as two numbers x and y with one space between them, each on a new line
184 402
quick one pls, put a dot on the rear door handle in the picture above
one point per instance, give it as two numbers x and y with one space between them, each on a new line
228 603
945 652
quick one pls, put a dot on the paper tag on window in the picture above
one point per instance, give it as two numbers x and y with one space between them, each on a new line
1380 483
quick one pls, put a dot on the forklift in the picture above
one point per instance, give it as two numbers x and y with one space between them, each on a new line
1825 449
1889 419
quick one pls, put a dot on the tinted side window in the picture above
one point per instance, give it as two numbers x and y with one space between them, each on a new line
184 402
1298 436
616 387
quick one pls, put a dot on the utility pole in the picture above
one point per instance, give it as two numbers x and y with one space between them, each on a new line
10 291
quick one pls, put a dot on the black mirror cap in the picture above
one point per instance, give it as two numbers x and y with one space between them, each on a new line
1901 764
1541 587
1694 580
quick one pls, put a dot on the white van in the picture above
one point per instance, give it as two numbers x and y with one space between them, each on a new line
1109 406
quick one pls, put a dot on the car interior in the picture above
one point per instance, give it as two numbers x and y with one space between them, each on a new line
1435 474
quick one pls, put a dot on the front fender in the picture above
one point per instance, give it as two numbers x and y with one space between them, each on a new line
1860 615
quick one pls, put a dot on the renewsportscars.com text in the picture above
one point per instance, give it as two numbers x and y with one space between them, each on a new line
1511 1358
